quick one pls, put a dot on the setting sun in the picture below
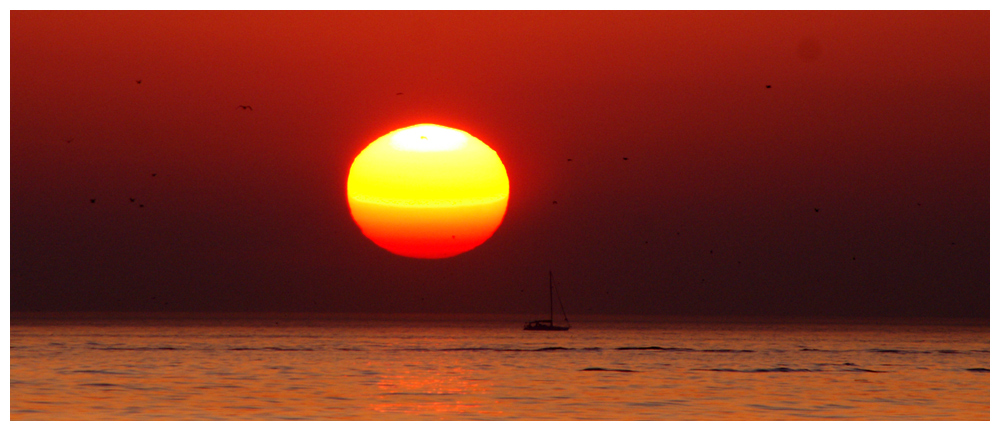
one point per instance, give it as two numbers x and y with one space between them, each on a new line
428 191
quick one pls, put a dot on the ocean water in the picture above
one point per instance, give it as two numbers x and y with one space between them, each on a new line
340 367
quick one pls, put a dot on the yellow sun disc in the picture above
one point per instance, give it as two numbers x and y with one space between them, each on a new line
428 191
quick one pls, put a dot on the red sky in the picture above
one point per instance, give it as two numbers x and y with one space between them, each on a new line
880 120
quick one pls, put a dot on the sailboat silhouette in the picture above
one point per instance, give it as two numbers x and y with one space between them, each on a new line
548 325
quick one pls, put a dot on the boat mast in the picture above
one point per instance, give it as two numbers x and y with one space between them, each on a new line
550 297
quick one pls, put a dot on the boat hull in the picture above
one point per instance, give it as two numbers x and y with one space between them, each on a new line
544 326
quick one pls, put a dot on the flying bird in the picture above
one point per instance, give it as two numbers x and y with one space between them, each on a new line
138 81
71 140
624 158
245 107
399 94
131 199
154 174
817 209
95 201
768 86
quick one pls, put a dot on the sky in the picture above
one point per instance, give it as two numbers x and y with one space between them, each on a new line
778 163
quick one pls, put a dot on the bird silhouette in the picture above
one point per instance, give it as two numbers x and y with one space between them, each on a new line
131 199
624 158
768 86
399 94
95 201
817 209
569 160
245 107
554 202
138 81
71 140
154 174
141 206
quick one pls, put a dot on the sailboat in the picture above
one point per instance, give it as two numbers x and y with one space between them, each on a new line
548 325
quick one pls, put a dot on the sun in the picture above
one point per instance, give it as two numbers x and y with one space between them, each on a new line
428 191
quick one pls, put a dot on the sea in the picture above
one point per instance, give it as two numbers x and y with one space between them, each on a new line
350 367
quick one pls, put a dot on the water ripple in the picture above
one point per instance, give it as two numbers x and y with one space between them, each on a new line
273 349
119 373
619 370
138 349
685 349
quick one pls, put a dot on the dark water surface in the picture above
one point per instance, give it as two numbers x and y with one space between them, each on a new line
340 367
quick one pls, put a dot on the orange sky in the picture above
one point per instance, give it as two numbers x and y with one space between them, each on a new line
878 119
